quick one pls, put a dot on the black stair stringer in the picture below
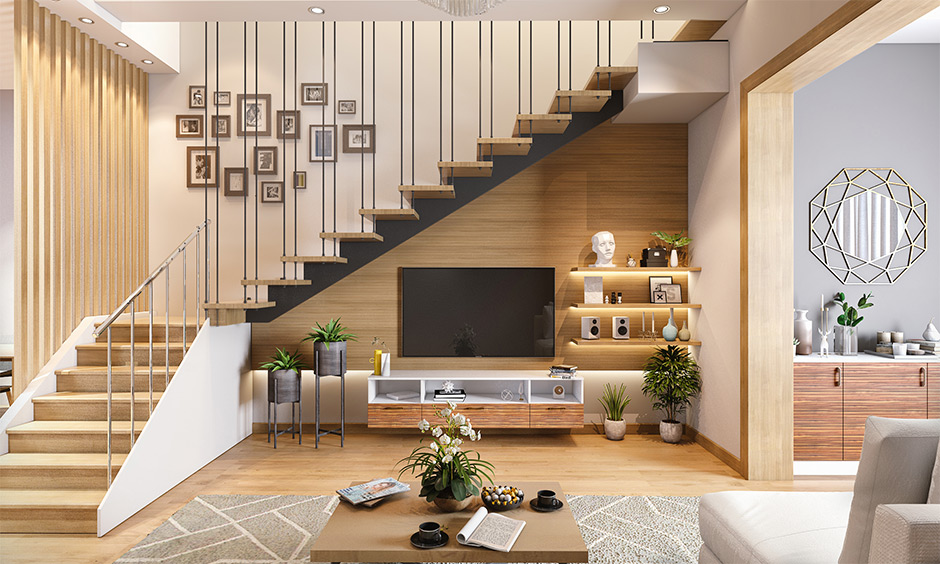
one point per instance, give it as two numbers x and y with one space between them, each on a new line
431 211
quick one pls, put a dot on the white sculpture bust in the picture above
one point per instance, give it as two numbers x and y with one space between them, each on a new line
603 244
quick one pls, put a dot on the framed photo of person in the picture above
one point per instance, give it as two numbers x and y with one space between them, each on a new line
223 98
322 143
358 138
347 106
254 115
314 94
300 180
265 159
272 192
288 124
221 126
202 167
189 127
235 181
655 283
197 97
673 293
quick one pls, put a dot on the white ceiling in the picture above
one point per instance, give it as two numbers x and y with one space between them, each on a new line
924 30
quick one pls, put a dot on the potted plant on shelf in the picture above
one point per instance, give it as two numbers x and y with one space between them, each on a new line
675 242
614 400
848 322
284 375
330 361
671 378
450 476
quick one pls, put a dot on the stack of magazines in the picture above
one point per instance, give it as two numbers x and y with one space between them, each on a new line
371 492
456 394
565 371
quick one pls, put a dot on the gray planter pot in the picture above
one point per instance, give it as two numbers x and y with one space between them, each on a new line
332 361
670 431
615 430
287 385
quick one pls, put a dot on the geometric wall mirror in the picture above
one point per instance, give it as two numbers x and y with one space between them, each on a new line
868 226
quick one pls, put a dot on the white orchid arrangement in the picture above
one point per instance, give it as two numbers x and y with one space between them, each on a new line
446 469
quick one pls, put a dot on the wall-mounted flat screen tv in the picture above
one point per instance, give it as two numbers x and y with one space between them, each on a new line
478 312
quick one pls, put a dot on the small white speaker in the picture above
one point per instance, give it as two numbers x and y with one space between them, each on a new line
621 328
590 327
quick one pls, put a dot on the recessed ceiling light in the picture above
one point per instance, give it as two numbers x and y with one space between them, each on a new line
661 9
86 20
120 44
146 61
316 10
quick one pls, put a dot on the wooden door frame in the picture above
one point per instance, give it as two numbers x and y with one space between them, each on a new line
767 219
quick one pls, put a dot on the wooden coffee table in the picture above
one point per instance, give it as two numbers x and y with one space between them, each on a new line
382 533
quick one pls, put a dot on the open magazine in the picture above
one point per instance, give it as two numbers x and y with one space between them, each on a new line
372 491
490 530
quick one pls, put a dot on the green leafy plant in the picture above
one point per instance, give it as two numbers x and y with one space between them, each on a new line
850 317
676 241
796 342
671 378
614 400
283 360
332 332
376 341
446 470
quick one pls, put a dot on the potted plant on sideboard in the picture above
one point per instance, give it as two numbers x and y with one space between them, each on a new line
847 336
329 347
671 378
614 400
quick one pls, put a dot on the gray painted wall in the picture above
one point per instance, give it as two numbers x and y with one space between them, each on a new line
881 109
6 216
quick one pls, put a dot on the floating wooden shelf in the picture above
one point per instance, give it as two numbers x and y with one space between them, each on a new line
488 146
276 282
464 169
638 306
567 101
428 191
637 269
352 236
315 259
238 305
610 78
390 214
528 124
634 342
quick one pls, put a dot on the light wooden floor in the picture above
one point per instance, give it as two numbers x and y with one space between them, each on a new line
583 463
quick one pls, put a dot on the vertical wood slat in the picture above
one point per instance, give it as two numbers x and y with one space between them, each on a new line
81 182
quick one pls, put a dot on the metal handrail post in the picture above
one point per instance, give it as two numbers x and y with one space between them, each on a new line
184 300
198 290
133 368
150 349
166 337
109 406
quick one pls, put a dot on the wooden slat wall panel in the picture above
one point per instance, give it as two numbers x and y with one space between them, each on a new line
817 411
81 203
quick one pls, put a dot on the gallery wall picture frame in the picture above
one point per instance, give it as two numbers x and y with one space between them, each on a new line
221 126
236 179
254 114
272 192
346 107
288 124
265 159
314 94
197 97
202 167
322 144
189 126
655 282
673 293
300 180
358 138
223 98
659 297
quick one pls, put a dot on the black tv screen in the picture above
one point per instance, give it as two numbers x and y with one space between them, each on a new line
478 312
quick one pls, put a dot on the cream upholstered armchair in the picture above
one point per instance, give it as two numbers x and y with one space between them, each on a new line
892 516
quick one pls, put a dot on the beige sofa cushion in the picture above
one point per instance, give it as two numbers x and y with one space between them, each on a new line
934 495
898 457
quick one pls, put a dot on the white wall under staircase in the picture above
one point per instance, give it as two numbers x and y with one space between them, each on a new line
204 411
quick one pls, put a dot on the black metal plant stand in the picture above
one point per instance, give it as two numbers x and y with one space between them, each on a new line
284 387
341 430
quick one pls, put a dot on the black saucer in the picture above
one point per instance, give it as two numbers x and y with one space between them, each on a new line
418 543
557 505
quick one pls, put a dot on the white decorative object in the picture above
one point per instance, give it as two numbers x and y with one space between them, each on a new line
603 244
463 8
448 386
674 258
386 364
506 395
931 333
631 262
558 392
593 289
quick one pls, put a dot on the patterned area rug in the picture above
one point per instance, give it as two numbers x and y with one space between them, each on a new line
246 529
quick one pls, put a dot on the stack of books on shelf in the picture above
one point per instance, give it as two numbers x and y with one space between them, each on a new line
565 371
928 346
457 394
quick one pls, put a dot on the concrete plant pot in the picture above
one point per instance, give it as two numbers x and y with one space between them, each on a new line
615 430
670 431
330 361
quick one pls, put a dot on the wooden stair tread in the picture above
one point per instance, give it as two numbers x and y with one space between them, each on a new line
488 146
141 396
238 305
29 499
428 191
528 124
464 169
68 460
390 214
567 101
74 427
124 370
352 236
276 282
315 259
619 78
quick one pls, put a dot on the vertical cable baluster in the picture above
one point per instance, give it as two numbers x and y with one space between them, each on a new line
323 136
569 54
491 79
218 187
284 148
451 91
597 61
133 367
362 122
300 134
373 123
530 66
110 418
207 125
440 78
519 69
412 109
641 29
150 347
255 163
558 56
610 39
401 111
244 167
335 145
653 30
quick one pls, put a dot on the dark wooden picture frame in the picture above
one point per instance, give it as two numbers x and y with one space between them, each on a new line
309 96
222 98
272 192
655 281
287 118
187 122
300 180
231 184
225 122
265 160
346 107
202 167
197 97
328 131
254 111
366 144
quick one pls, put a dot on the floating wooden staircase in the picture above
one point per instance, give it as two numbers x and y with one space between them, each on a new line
55 474
428 191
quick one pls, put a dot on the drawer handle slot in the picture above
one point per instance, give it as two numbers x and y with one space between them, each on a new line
557 408
838 376
923 377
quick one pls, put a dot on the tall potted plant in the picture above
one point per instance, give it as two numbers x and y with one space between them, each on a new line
330 360
614 400
671 378
848 322
283 382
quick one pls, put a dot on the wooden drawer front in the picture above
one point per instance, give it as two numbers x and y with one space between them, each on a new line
391 415
885 390
817 411
548 416
933 391
486 415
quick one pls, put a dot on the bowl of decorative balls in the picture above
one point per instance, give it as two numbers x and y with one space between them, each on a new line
501 498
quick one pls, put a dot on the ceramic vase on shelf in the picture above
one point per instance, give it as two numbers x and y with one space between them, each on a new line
674 258
803 332
670 331
846 340
684 333
931 333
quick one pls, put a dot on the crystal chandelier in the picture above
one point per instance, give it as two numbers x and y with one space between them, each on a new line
463 8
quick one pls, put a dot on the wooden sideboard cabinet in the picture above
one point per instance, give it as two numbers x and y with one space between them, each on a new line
832 400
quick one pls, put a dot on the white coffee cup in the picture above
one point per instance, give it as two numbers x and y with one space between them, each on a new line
900 349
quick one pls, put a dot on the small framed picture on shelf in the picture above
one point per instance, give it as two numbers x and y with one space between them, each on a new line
288 124
221 126
322 143
659 297
188 127
314 94
358 138
235 180
347 107
655 283
300 180
223 98
197 97
254 114
272 192
673 293
265 160
202 167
